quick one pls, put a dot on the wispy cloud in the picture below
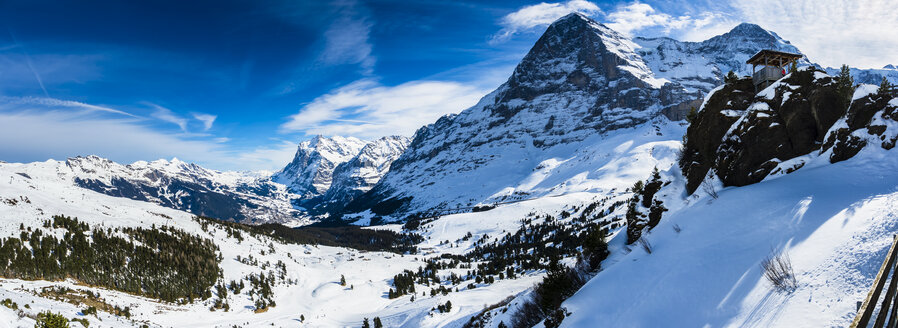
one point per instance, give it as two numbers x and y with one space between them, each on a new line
636 16
45 128
169 116
42 134
28 62
206 119
346 40
538 15
59 103
269 157
367 109
833 32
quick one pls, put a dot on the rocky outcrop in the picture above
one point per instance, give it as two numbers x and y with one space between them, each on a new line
741 137
872 119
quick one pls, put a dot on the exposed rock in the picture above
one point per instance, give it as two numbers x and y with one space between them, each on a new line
872 118
742 137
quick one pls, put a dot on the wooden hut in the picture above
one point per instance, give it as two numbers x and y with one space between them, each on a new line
773 66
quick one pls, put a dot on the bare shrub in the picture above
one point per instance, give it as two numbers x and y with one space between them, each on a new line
646 245
528 314
777 268
709 189
676 227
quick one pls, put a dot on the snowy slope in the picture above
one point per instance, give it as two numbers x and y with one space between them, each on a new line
836 222
311 288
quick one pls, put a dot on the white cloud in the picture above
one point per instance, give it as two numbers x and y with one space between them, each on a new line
271 158
636 16
541 14
346 41
167 115
39 135
366 109
641 18
37 129
832 32
206 119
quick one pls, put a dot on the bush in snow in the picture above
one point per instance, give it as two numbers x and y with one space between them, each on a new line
777 269
51 320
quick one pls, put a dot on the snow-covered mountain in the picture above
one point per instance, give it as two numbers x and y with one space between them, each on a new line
870 76
311 172
359 174
701 66
236 196
580 81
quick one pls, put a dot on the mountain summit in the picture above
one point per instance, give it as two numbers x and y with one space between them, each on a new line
580 80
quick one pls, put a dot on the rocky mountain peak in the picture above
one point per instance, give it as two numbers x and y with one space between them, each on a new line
576 52
310 172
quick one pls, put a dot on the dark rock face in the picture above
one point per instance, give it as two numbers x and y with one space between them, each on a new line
743 137
709 127
866 122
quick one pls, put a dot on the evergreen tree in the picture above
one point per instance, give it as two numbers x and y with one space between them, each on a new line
731 78
342 280
377 323
885 88
845 85
365 323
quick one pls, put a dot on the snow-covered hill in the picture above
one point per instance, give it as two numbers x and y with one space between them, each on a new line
870 76
835 221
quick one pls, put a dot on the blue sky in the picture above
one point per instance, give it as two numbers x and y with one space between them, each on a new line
236 84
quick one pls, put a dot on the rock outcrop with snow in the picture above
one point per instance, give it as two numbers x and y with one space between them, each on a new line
742 137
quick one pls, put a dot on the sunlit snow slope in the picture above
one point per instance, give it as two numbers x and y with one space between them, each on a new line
835 221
